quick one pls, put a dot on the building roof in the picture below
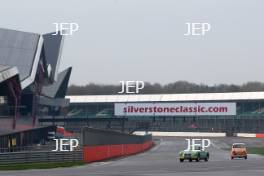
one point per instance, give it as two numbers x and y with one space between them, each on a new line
167 97
7 72
59 88
21 49
53 44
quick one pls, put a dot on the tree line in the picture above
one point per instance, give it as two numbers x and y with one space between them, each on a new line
156 88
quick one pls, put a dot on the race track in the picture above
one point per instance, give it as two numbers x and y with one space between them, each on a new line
162 160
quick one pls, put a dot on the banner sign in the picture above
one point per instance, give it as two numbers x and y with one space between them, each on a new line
175 109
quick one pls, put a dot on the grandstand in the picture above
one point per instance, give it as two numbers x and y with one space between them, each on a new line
249 116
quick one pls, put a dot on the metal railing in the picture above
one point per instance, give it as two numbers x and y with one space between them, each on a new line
39 156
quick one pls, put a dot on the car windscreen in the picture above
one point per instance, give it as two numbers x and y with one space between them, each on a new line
238 146
197 148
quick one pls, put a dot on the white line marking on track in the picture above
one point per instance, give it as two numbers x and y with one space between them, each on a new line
214 145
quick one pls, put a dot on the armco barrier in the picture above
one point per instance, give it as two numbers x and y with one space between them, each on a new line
105 144
39 156
259 135
182 134
250 135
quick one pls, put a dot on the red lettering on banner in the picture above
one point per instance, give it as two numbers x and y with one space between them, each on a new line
141 110
160 109
177 109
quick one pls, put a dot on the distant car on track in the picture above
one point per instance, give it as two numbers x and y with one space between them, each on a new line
196 153
238 150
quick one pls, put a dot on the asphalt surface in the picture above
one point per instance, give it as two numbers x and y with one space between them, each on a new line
162 160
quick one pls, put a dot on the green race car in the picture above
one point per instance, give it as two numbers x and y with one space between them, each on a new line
196 153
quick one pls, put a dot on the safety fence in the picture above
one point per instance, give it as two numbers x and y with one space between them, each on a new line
39 156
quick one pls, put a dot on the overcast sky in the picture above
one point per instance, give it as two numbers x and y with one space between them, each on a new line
143 39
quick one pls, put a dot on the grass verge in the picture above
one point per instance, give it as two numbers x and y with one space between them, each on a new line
256 150
43 165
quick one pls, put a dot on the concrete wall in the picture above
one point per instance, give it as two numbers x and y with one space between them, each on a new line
104 144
